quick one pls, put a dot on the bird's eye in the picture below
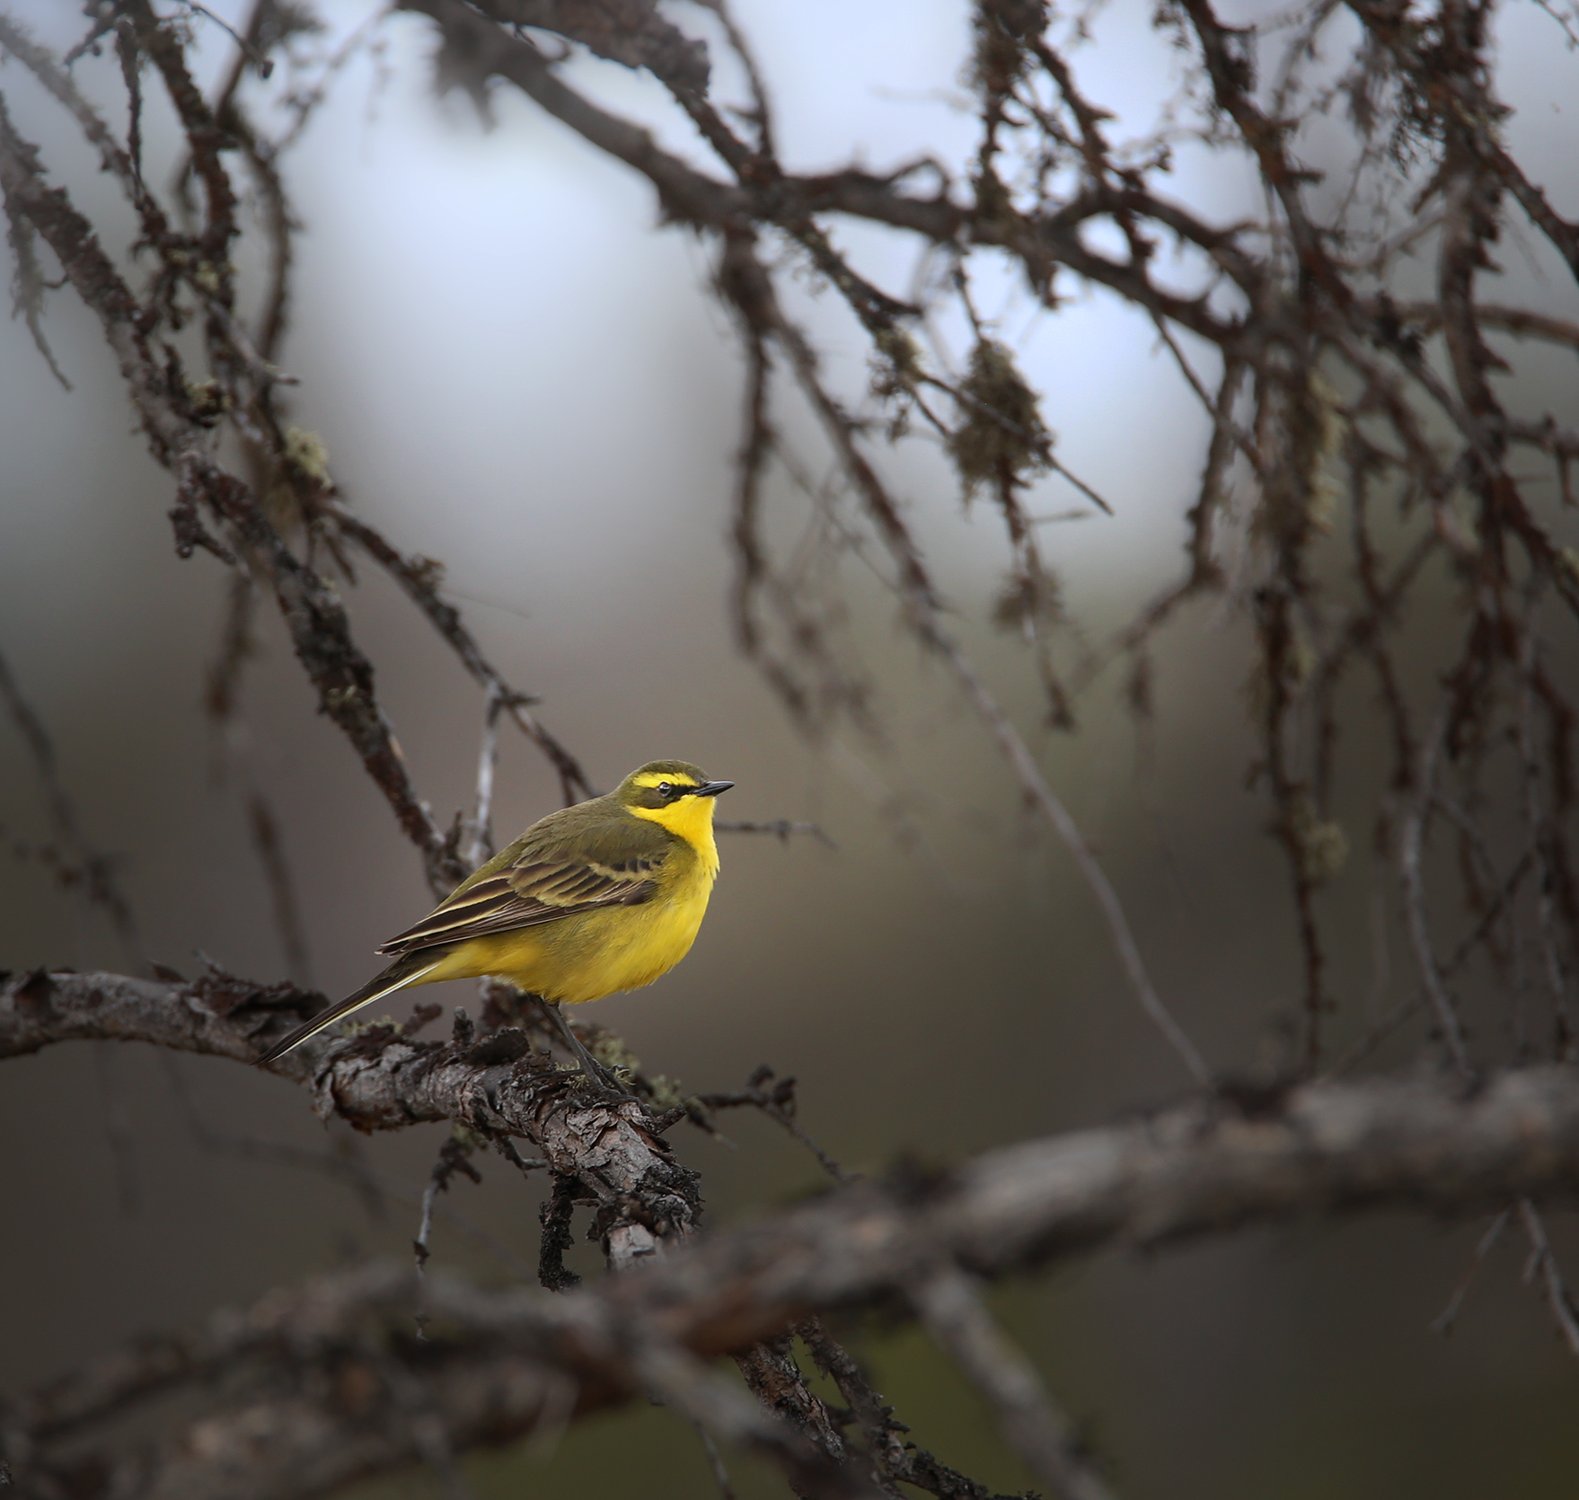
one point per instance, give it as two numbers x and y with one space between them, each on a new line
666 789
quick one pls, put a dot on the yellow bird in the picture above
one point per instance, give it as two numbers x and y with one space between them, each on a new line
603 896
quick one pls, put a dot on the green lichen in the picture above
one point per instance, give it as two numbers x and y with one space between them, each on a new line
1001 438
375 1023
1298 664
1322 846
1300 500
207 399
307 452
1001 33
896 363
1029 597
209 278
612 1052
667 1093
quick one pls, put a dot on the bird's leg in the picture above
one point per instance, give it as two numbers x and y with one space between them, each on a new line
594 1071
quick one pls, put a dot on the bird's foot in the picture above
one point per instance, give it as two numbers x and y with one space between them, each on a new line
596 1077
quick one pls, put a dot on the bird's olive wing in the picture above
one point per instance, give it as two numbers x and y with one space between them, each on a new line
530 893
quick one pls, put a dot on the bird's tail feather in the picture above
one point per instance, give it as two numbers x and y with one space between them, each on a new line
406 970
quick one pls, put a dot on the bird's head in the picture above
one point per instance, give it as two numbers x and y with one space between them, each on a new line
672 793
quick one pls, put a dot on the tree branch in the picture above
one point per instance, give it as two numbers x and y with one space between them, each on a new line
493 1365
1207 1166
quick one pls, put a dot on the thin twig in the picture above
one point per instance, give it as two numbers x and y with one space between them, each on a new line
282 889
952 1310
1544 1264
92 868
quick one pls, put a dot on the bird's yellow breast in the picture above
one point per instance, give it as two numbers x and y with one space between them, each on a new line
595 953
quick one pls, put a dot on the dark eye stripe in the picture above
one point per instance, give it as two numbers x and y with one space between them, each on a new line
662 793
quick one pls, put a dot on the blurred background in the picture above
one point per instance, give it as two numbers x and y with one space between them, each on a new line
515 370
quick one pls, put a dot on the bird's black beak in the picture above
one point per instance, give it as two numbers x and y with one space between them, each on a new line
712 788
